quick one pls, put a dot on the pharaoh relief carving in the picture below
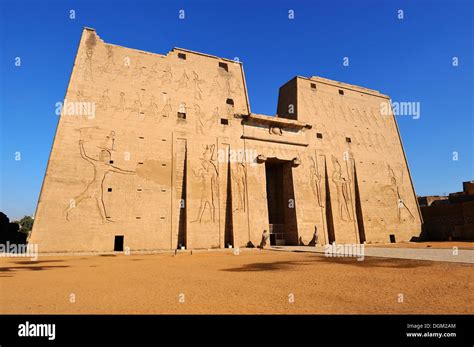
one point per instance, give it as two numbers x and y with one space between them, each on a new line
153 109
224 84
167 110
109 66
206 176
203 121
403 212
102 166
122 103
182 83
197 86
315 180
136 108
88 65
239 176
104 102
227 85
215 86
343 188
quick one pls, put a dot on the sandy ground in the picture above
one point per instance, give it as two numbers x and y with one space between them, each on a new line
441 244
219 282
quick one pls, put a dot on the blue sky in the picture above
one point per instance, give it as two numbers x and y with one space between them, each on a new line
408 59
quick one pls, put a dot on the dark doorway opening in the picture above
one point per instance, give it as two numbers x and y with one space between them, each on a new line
358 205
118 243
228 227
181 160
330 221
281 203
392 238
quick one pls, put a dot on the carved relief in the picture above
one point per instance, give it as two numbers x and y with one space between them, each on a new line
136 108
82 99
153 108
342 191
109 143
203 122
394 187
88 65
183 81
239 175
109 65
207 176
104 101
102 166
275 130
227 88
215 86
197 86
315 180
166 110
122 103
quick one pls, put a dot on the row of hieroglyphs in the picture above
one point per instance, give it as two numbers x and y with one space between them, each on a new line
158 75
147 107
370 116
369 140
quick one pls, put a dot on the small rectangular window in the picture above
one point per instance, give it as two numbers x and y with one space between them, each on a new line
313 85
224 66
341 92
109 189
224 121
181 115
348 139
229 102
182 56
140 163
163 164
111 161
139 189
141 137
319 135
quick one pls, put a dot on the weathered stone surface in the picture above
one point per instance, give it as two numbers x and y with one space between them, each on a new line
163 150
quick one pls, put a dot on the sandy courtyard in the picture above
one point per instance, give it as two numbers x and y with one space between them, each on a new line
219 282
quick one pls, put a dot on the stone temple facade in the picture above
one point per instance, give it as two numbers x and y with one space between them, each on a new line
162 151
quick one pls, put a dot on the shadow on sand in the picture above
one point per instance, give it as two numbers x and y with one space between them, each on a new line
368 262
